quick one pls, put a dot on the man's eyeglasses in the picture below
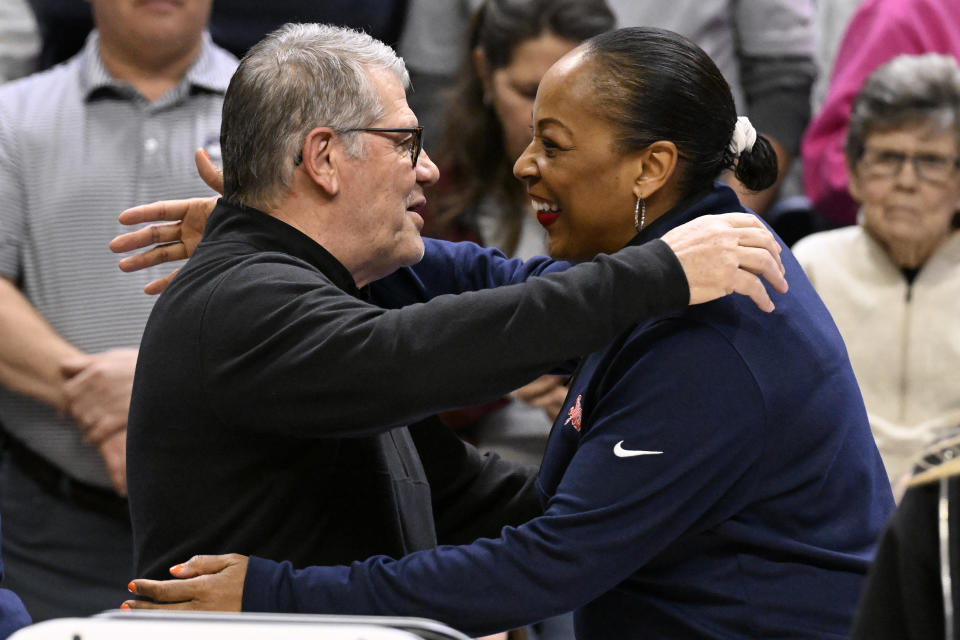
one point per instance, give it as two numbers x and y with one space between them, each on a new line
932 167
415 141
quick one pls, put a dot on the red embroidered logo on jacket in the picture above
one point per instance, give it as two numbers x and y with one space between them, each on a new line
576 414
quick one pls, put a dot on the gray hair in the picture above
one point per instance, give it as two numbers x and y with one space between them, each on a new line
908 90
299 77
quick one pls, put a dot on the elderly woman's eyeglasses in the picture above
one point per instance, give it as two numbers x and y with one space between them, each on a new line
414 142
932 167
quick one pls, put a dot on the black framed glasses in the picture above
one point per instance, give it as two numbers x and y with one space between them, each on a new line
415 141
886 163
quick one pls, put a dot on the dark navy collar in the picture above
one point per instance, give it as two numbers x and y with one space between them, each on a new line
230 222
719 199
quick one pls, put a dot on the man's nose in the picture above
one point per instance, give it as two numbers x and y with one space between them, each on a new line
427 171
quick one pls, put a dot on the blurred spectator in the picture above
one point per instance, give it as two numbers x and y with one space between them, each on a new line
237 25
19 42
234 24
764 49
910 593
113 127
878 31
511 44
893 282
63 26
432 46
830 23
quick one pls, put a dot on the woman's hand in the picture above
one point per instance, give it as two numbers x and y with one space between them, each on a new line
175 240
205 583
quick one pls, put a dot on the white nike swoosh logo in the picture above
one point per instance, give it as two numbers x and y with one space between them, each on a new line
620 452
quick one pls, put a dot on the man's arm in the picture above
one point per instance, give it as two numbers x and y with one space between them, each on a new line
31 352
324 348
93 389
38 362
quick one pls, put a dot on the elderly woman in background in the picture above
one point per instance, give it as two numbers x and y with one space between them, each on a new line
892 283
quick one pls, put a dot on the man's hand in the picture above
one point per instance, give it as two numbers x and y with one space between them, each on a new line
97 392
546 392
206 583
720 255
113 450
175 240
98 389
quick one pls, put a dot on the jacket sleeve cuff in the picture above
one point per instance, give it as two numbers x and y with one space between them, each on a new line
278 587
267 586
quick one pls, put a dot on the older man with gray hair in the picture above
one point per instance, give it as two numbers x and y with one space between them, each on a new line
273 384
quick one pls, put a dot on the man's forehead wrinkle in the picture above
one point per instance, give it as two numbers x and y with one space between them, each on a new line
393 99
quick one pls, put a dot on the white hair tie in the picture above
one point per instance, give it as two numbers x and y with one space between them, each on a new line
744 135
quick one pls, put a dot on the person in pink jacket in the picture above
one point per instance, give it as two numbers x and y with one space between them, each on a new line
879 31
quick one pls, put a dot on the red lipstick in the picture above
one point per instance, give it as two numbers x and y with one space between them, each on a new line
547 218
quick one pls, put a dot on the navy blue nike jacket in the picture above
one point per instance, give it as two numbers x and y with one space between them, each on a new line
712 475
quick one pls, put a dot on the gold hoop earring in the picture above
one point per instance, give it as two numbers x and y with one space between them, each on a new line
639 214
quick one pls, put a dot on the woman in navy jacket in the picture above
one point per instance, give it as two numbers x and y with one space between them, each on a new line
712 473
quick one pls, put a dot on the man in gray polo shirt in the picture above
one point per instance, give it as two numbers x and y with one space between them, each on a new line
114 126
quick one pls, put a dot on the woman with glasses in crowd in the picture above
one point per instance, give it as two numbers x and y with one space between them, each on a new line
892 282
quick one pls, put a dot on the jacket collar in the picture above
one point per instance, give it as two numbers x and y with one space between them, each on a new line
230 222
719 199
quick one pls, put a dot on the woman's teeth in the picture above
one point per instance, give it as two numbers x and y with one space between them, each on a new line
545 207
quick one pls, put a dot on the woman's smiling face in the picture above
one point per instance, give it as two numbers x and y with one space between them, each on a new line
581 187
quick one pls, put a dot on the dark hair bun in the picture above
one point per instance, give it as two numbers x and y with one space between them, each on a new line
757 168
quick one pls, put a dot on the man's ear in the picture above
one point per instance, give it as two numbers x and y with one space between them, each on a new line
322 159
656 165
